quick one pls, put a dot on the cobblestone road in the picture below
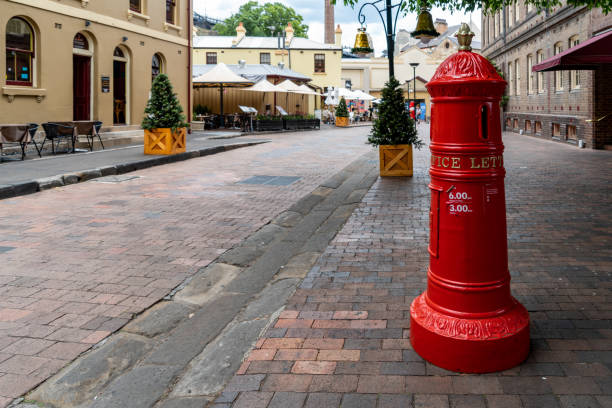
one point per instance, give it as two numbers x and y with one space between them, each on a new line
343 339
78 262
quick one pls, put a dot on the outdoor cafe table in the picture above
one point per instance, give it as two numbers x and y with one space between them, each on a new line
81 127
14 134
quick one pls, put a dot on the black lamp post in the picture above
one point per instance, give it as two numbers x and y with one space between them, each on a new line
390 24
414 65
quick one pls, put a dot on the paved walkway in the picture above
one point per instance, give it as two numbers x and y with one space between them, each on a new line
343 339
78 262
14 172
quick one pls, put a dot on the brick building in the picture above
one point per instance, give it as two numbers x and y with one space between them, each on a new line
564 106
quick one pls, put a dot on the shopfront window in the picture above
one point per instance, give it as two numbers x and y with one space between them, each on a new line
19 52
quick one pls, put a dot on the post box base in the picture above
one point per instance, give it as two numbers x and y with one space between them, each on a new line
469 345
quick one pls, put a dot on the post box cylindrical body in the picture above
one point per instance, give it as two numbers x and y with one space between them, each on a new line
467 320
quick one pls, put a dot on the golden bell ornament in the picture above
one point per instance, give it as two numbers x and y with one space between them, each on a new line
362 44
425 29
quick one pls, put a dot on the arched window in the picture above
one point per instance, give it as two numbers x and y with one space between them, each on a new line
156 66
118 53
19 52
80 42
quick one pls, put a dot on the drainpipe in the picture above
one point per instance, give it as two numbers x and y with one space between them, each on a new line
189 35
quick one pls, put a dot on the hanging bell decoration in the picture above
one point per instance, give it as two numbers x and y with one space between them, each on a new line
362 43
425 29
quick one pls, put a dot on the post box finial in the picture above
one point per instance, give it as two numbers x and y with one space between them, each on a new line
464 36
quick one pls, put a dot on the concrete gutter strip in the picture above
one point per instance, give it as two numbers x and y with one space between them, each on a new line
29 187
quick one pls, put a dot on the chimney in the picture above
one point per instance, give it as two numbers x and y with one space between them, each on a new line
441 25
240 33
289 34
329 22
338 41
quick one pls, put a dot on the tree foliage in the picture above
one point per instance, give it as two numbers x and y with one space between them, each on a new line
341 111
257 20
489 6
393 126
163 109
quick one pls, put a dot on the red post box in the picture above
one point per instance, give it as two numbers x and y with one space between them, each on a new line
467 320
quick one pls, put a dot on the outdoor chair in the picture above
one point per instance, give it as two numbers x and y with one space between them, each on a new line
56 131
33 128
16 134
97 125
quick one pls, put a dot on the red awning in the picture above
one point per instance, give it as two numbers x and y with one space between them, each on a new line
588 55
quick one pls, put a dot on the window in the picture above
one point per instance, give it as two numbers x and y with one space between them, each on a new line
80 42
574 74
211 58
170 10
529 8
497 24
556 130
118 53
540 77
517 11
516 124
530 75
511 78
19 52
511 15
491 24
319 63
264 58
135 5
517 72
538 127
558 74
571 132
156 66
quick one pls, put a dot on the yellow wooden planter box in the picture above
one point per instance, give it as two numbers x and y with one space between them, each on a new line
342 122
395 160
164 141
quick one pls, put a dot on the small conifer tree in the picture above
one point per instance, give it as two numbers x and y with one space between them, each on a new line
394 125
341 111
163 109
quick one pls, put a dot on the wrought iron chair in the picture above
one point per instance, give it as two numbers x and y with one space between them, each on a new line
95 132
57 131
32 128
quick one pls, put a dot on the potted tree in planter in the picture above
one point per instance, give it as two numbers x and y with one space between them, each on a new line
164 122
394 132
342 115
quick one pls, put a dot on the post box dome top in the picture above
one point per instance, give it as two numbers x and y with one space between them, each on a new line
466 70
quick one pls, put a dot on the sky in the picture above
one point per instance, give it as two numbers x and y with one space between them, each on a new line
313 10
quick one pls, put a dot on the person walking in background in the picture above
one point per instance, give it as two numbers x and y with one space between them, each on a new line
418 114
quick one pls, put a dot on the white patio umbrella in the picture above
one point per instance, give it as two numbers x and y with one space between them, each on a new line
363 96
306 90
265 86
219 77
289 86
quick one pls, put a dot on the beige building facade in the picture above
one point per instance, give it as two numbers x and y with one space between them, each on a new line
318 61
90 59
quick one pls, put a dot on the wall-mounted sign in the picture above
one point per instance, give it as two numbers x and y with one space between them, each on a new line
105 84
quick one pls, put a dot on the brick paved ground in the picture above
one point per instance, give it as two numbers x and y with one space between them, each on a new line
78 262
343 339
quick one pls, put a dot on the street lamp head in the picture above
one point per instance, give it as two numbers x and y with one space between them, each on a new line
414 64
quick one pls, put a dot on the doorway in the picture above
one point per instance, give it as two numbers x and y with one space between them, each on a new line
119 94
120 87
81 87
